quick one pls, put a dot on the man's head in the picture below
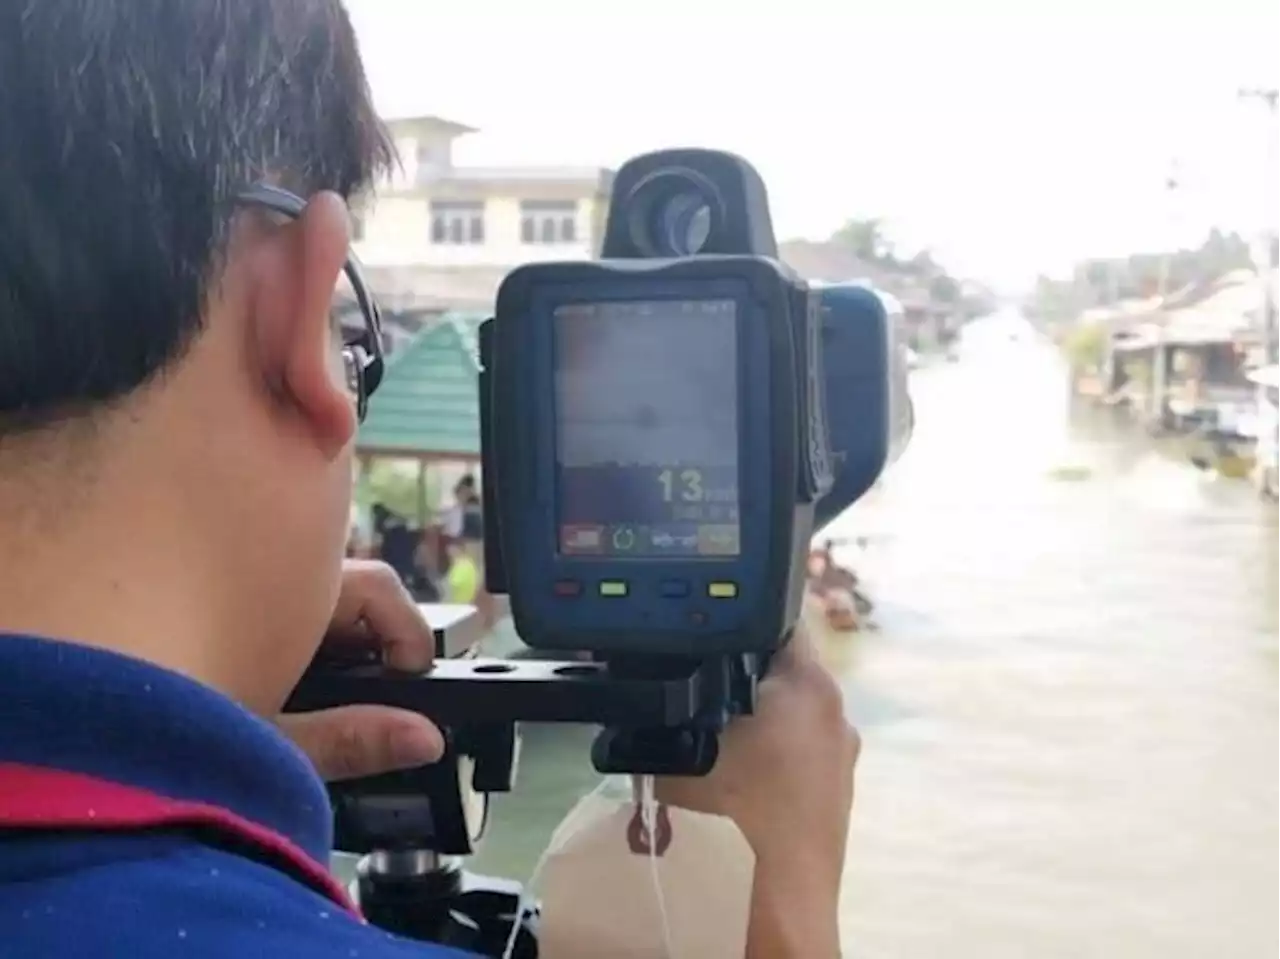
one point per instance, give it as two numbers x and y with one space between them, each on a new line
175 409
465 490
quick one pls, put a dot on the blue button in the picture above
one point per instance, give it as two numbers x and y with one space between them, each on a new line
673 588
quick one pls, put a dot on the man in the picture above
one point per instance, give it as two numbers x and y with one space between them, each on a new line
176 426
401 547
464 519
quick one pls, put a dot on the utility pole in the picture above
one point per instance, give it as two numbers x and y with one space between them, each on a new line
1113 282
1269 416
1265 243
1172 183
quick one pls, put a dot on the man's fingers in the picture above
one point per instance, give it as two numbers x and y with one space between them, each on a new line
374 606
364 740
799 653
353 741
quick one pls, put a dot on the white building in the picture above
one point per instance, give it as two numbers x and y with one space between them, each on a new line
436 236
1266 470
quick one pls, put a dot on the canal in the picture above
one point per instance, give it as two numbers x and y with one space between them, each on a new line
1070 704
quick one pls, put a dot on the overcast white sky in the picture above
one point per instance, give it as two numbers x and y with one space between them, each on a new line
1008 142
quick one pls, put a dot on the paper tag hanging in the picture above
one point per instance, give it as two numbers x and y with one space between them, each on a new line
615 883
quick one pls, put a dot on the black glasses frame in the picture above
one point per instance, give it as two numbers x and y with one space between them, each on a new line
364 357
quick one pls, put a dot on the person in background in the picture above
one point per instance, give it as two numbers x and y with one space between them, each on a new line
396 542
174 221
466 505
401 545
383 518
462 578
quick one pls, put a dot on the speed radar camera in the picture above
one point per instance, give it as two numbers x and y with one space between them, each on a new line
657 440
657 437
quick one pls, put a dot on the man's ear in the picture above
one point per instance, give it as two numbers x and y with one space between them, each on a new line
308 365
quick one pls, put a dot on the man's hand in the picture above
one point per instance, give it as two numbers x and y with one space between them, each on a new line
785 776
374 609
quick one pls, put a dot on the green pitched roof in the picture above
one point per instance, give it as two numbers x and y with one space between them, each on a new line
428 401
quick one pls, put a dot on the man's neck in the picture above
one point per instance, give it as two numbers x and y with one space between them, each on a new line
113 565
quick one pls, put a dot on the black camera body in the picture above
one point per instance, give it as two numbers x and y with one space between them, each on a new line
654 433
652 491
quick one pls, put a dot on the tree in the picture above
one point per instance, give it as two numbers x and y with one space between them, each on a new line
923 264
944 289
867 239
394 484
1096 282
1086 348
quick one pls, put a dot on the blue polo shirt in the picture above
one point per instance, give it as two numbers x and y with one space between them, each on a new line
144 815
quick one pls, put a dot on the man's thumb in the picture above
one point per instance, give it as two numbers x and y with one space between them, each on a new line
349 742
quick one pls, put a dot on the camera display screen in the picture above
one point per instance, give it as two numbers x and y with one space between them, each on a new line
646 398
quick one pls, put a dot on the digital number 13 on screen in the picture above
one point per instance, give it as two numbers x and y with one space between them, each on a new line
681 485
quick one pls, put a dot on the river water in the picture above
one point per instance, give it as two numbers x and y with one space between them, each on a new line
1069 708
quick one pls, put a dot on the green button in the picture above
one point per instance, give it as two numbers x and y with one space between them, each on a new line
722 590
613 587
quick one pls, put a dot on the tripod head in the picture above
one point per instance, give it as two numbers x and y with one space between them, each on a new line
413 828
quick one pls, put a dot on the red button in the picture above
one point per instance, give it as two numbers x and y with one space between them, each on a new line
568 588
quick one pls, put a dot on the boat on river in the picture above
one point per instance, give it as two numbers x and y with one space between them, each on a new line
835 590
1225 455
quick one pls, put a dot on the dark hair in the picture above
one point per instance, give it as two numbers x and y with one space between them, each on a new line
127 129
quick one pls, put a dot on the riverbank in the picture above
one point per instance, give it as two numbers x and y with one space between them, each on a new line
1223 455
